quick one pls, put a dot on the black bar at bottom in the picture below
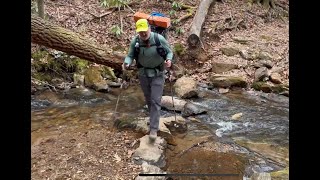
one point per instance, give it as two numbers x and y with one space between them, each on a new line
188 174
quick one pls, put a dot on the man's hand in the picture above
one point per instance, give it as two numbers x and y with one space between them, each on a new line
167 63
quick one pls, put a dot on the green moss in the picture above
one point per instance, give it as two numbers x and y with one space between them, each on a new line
179 49
80 65
262 86
38 55
108 73
283 174
279 88
42 76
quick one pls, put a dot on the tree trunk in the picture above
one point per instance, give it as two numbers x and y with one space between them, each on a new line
53 36
40 8
195 30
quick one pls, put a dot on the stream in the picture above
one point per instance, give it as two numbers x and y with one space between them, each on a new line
256 141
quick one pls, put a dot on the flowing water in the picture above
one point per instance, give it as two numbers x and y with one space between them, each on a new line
256 141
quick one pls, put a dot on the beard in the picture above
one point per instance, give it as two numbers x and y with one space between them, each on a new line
146 37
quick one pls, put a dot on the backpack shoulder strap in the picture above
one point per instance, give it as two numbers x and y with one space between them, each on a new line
156 39
136 39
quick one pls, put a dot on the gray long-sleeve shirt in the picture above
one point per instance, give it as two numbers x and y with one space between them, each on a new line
148 56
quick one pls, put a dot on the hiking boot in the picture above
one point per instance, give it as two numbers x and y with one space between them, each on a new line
152 135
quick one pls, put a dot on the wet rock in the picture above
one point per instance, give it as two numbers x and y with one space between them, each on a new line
285 93
203 85
101 87
227 81
271 151
222 67
191 109
150 169
261 176
236 116
78 93
152 153
185 87
49 96
177 124
166 102
223 90
114 84
142 124
229 51
261 74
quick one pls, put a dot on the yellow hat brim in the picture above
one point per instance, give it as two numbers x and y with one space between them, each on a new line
142 29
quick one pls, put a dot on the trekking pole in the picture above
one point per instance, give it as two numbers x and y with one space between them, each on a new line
174 109
115 110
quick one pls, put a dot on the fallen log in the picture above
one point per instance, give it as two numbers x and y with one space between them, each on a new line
50 35
195 30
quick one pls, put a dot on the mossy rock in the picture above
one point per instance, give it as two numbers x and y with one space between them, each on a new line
279 88
262 86
227 81
80 65
92 76
109 73
267 88
279 175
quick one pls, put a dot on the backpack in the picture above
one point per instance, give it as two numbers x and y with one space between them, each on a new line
158 29
160 49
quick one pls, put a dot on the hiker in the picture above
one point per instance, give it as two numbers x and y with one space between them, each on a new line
151 68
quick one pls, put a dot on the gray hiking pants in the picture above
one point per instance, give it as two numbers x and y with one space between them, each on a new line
152 88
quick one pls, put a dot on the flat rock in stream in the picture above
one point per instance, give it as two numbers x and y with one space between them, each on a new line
191 109
114 84
166 102
165 124
150 169
152 153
